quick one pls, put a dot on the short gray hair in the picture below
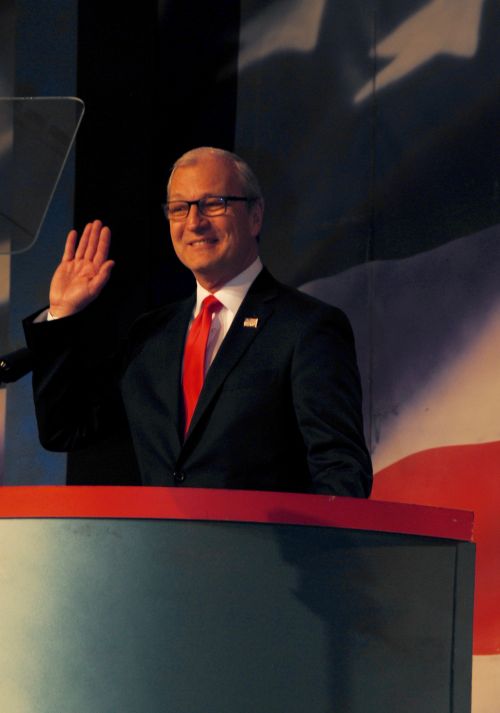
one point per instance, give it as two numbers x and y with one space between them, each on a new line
249 180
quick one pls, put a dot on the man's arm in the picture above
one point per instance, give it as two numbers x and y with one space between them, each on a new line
328 404
70 379
74 382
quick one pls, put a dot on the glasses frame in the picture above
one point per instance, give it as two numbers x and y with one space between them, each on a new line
199 204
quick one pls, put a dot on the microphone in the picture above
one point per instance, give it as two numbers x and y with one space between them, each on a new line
15 365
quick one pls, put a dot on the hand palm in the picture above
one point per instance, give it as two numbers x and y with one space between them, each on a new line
83 271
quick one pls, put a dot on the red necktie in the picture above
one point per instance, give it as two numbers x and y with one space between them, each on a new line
194 356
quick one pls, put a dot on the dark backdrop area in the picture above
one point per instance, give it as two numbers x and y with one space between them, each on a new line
155 84
151 83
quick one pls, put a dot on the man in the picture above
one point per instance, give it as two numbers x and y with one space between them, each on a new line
277 405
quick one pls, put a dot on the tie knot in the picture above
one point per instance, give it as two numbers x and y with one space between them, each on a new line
210 304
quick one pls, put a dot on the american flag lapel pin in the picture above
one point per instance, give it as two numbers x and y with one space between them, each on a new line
251 322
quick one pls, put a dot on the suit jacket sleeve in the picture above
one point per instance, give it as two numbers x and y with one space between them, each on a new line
328 404
76 397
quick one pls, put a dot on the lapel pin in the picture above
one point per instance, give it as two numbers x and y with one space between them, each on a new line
251 322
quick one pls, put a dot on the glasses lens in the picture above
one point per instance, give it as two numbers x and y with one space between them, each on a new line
177 210
212 205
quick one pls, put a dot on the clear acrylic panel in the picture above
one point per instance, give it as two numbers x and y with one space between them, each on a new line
36 135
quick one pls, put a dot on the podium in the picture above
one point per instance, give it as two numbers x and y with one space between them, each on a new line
209 601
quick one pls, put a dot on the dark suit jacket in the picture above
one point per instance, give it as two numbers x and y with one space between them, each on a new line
280 408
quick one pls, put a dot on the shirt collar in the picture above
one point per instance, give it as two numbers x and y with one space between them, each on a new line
232 294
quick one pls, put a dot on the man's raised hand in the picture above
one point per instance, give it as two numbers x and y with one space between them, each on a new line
83 271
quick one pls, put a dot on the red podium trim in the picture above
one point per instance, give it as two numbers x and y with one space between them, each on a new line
233 506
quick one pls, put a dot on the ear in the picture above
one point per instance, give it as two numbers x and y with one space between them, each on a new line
257 217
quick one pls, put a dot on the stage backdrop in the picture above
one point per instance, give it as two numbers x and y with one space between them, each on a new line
375 128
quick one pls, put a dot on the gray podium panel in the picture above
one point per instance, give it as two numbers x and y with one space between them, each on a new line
136 616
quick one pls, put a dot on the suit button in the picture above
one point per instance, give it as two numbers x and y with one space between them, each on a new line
179 476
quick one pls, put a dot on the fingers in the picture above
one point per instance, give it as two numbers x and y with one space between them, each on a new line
102 247
84 240
94 243
93 240
69 248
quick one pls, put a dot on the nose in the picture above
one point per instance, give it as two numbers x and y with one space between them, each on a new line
194 218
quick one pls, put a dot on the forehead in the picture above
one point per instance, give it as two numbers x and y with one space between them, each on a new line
206 175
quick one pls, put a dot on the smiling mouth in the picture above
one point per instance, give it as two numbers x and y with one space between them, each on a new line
203 241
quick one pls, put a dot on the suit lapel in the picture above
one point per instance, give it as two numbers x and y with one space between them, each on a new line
171 343
250 319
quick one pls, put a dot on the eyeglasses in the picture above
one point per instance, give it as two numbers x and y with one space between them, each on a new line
208 206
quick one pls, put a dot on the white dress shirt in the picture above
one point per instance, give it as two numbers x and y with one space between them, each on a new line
230 296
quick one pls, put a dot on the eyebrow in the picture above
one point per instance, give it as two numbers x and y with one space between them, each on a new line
180 197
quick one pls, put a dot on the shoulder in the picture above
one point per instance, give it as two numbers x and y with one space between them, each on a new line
298 306
154 321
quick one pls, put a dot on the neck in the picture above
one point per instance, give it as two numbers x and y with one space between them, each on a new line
212 283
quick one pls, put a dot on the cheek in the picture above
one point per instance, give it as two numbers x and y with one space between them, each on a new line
176 235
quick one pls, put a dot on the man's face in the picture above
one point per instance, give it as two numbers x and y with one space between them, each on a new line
218 248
